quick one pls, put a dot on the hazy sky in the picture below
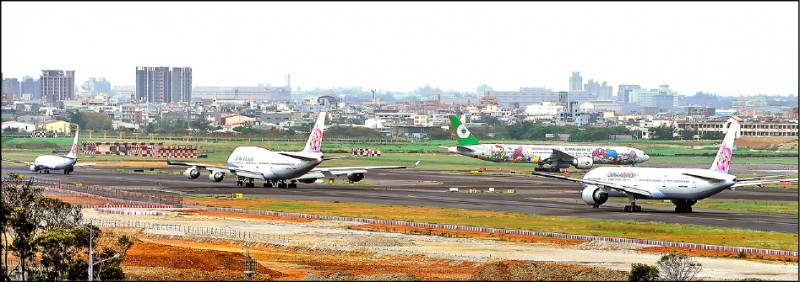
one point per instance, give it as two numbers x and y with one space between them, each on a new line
730 49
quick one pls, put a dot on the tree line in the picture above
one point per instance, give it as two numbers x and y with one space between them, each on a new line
43 238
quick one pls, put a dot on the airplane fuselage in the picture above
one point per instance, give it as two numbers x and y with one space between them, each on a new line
664 183
619 155
271 165
54 163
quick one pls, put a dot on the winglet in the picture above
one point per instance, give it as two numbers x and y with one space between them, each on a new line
315 138
463 136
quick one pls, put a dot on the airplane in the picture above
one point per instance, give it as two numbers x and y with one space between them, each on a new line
249 163
557 157
66 163
683 186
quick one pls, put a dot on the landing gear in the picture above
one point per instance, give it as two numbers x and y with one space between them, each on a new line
282 184
46 171
595 206
683 206
246 182
632 207
268 184
549 169
293 184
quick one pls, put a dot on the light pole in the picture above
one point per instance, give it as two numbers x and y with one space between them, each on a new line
91 264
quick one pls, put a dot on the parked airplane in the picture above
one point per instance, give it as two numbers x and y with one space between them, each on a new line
249 163
684 186
557 157
52 162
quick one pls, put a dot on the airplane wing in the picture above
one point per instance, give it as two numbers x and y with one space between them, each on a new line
85 164
17 161
559 156
761 182
332 172
202 166
623 188
759 177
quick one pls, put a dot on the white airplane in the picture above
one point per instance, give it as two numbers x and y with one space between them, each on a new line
684 186
557 157
249 163
52 162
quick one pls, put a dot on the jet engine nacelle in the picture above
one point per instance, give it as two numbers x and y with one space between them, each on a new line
593 195
192 173
307 180
582 163
216 176
69 169
355 176
34 168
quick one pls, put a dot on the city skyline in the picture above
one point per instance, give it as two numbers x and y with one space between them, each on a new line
728 49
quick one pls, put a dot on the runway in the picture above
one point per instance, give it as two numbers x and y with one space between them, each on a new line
533 195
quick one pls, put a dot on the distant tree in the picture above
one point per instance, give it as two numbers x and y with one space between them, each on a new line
438 133
353 132
662 133
688 134
713 135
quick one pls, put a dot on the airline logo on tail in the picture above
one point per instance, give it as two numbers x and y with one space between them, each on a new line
73 153
723 160
315 139
463 136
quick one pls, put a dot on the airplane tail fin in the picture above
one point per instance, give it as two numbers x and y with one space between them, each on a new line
315 138
463 136
73 153
723 160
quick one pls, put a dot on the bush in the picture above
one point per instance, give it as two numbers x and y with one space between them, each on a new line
678 267
643 272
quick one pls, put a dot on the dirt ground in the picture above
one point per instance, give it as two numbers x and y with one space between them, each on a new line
772 143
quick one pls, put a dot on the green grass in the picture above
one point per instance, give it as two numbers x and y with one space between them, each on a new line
751 206
524 221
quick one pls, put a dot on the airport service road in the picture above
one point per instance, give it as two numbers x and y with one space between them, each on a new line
429 188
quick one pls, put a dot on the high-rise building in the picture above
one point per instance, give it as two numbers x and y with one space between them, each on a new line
57 85
31 86
601 91
576 81
162 85
11 85
663 97
181 85
624 92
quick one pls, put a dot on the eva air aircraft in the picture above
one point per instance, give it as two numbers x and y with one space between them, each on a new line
555 156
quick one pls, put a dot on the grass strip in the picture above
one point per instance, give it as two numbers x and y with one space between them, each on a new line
508 220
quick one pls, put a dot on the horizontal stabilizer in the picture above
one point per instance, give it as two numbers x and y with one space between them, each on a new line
704 176
299 157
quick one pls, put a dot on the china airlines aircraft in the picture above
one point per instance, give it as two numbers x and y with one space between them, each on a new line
684 186
249 163
52 162
557 157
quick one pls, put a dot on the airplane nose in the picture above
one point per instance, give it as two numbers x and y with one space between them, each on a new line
645 158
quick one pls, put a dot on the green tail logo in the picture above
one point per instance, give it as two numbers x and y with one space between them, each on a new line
463 136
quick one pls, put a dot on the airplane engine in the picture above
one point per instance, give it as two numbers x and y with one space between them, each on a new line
69 169
216 176
308 180
355 176
593 195
192 173
582 163
34 168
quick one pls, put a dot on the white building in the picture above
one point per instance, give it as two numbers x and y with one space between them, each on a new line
544 110
600 106
20 126
661 97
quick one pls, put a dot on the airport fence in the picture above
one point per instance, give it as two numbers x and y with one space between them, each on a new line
147 197
746 250
188 229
